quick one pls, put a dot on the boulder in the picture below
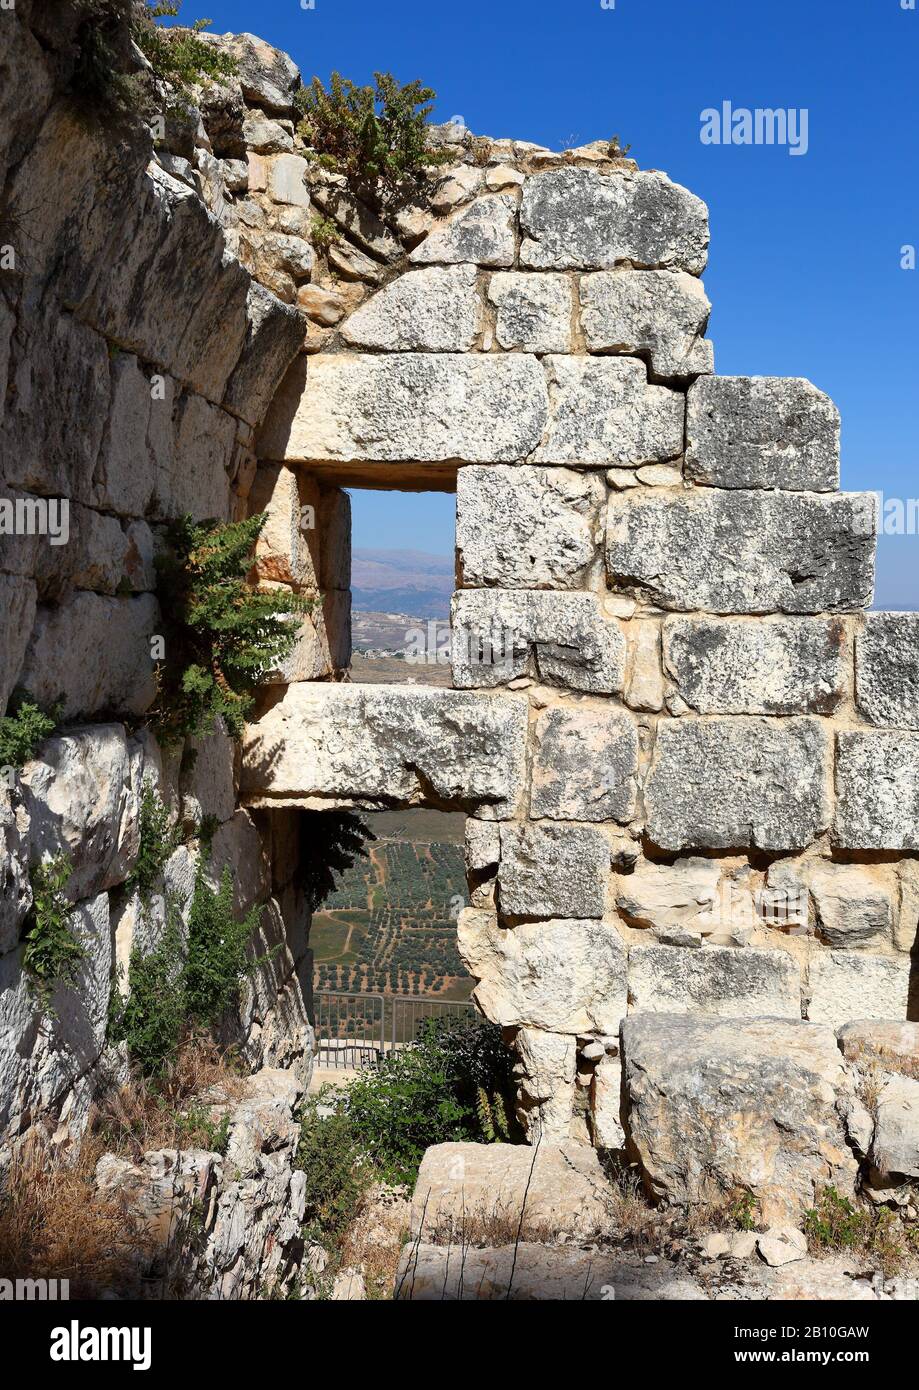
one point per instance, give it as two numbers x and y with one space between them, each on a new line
482 233
762 431
720 1107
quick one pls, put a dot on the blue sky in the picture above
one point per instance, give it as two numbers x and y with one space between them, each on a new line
804 271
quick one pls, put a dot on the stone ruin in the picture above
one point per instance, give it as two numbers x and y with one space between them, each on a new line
688 757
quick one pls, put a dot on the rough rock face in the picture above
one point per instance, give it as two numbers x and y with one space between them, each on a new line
783 433
719 1107
659 313
887 670
717 980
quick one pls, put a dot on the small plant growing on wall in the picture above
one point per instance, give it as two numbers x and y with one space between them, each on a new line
23 730
51 953
223 637
377 135
323 233
158 839
179 55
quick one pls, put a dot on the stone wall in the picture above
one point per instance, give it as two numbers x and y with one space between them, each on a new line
687 754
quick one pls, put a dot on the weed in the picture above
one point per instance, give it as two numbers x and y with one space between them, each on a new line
51 954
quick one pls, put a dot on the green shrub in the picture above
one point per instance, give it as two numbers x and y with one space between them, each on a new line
323 233
51 954
337 1174
158 839
223 636
377 135
836 1223
152 1018
24 730
178 55
218 956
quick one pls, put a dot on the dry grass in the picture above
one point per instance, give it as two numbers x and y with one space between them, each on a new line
54 1225
373 1242
175 1111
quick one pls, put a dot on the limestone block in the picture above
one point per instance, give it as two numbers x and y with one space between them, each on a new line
730 982
208 785
519 527
718 1106
578 219
116 631
432 310
895 1149
854 905
605 1103
762 431
564 976
534 311
546 1079
457 188
335 533
286 182
683 895
906 929
645 679
350 264
267 75
376 746
887 669
758 666
17 616
482 233
735 783
194 475
15 890
659 313
264 136
563 639
585 765
847 985
360 222
83 802
881 1044
604 412
877 790
552 871
237 846
287 551
274 333
742 552
405 406
123 479
322 306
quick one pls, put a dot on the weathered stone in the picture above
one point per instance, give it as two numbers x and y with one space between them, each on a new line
644 679
681 895
458 187
576 219
482 233
895 1149
762 431
782 1245
742 552
286 551
208 786
405 406
534 311
604 412
729 783
565 976
558 1190
432 310
273 337
286 180
360 222
854 906
17 616
605 1103
562 639
729 982
267 76
375 746
202 433
718 1106
877 790
887 669
846 985
758 666
881 1043
519 527
120 676
322 306
585 765
502 176
127 461
351 264
661 313
545 1072
264 136
15 889
552 871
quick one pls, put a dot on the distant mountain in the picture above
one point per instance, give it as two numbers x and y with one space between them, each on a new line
413 582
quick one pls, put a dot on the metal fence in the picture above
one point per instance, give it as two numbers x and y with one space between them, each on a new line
354 1031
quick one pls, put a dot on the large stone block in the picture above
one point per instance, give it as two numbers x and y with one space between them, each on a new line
660 314
887 669
565 976
680 897
877 790
847 985
546 1072
742 552
719 1107
552 871
606 1104
758 665
604 412
267 75
533 311
762 431
881 1044
585 765
482 233
119 677
560 638
287 550
895 1148
194 470
729 783
430 407
576 219
274 334
731 982
433 310
519 527
382 746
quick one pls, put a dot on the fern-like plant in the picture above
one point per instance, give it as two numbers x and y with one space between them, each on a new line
218 951
23 731
223 637
51 953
